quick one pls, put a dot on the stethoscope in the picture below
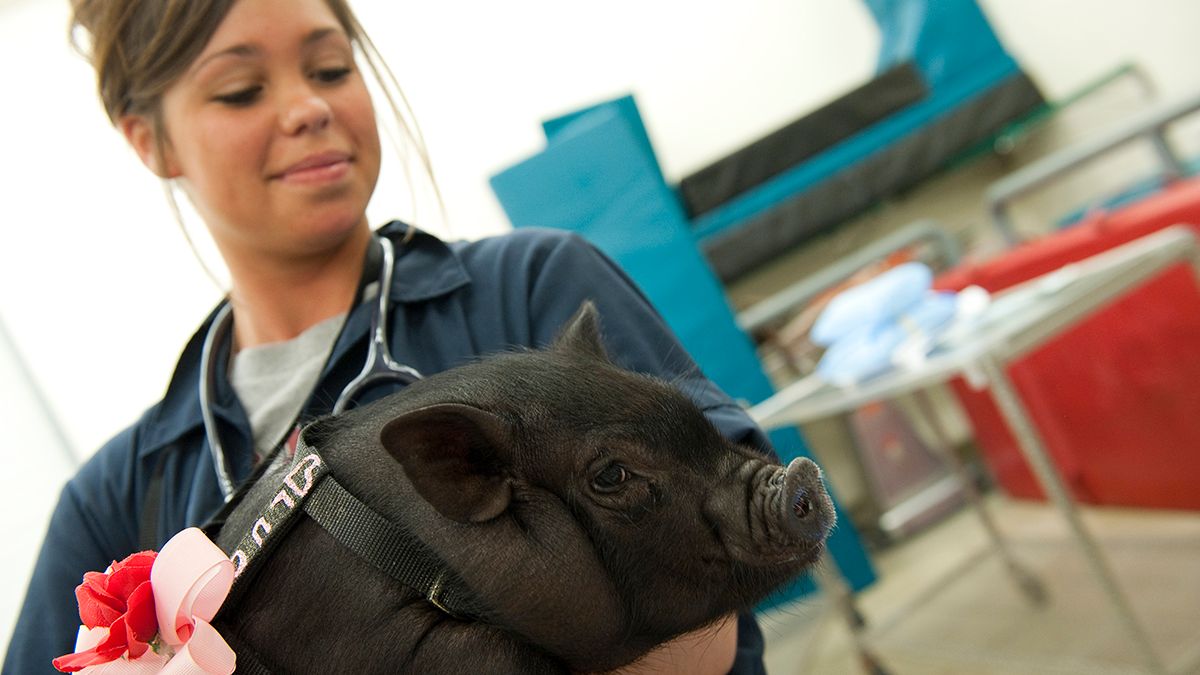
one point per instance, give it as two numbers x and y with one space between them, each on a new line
379 367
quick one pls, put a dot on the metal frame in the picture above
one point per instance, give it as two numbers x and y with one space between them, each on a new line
1048 305
1150 126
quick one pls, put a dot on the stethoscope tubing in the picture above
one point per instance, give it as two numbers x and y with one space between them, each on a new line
221 324
379 366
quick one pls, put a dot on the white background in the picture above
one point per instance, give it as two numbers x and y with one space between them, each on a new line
100 292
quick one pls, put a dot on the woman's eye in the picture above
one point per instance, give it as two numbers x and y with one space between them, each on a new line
241 97
610 478
331 75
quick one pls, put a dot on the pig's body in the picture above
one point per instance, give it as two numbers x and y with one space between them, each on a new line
590 512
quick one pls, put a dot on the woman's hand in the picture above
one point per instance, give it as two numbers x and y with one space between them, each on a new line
708 651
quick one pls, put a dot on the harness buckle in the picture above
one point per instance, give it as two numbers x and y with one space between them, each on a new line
435 592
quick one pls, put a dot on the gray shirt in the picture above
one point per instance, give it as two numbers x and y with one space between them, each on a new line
274 380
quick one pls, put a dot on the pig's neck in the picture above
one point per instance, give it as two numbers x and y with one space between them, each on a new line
534 566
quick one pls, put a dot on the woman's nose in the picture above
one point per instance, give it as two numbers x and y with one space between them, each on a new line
306 113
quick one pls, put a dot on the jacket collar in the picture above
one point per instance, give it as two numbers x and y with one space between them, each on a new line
425 268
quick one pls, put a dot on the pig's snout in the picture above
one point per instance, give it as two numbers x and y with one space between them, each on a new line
805 510
801 505
767 514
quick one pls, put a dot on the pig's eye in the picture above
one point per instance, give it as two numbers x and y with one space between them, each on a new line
610 478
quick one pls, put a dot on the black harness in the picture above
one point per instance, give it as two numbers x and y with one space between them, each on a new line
309 489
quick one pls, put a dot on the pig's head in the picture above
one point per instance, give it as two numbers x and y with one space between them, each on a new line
597 512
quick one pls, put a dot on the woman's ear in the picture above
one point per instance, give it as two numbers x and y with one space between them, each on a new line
139 133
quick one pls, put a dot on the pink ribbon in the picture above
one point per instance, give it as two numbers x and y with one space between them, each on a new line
146 664
191 578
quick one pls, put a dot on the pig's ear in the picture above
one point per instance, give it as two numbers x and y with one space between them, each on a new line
581 334
453 454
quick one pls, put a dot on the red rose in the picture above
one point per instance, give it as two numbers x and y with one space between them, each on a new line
122 601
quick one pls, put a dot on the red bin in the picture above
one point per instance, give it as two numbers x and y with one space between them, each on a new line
1116 397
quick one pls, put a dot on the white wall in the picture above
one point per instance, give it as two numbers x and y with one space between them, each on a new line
29 484
1063 43
100 290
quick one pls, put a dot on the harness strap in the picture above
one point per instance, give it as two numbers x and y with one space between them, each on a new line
217 521
309 488
276 519
392 549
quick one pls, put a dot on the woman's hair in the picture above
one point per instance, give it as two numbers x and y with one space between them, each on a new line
139 48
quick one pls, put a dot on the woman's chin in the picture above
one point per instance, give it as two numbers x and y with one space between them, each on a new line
315 235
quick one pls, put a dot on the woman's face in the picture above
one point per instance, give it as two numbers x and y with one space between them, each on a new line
273 132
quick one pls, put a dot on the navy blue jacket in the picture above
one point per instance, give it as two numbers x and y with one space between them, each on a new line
451 303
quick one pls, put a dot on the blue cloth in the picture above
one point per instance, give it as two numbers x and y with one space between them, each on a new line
879 300
865 326
451 304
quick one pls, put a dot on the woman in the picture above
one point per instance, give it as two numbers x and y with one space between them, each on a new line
258 111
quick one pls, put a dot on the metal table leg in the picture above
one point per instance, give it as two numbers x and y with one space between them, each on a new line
1027 582
829 579
1034 450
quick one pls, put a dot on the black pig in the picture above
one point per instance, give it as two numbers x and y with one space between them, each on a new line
591 513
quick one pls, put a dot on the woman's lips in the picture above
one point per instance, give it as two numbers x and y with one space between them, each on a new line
317 169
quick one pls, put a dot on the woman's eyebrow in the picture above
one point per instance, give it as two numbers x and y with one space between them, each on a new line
242 51
319 34
248 50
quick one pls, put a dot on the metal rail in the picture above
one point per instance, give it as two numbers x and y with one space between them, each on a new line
1151 126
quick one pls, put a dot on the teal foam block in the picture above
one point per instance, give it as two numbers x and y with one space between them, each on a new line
945 39
598 176
867 143
960 58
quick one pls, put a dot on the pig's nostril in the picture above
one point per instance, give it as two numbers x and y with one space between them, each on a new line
801 505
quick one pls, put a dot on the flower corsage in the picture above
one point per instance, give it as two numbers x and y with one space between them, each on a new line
149 613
